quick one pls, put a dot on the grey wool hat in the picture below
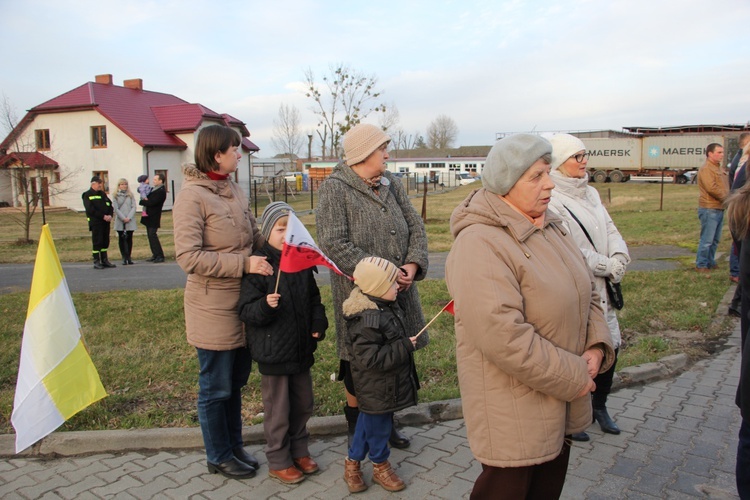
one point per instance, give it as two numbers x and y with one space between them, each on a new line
272 213
510 158
361 140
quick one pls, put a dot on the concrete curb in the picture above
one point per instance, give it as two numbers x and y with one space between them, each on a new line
120 441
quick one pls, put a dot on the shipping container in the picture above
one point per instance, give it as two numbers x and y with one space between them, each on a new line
617 159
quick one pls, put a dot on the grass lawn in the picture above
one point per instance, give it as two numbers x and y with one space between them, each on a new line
150 372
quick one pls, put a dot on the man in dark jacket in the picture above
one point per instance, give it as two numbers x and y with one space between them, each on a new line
152 221
99 214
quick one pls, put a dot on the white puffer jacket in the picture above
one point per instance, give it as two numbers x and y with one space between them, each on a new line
583 200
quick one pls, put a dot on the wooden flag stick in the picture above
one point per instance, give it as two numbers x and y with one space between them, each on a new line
432 320
278 278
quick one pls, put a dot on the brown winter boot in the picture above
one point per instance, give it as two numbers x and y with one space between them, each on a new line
353 476
385 476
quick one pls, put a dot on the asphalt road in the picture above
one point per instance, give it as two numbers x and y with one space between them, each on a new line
82 277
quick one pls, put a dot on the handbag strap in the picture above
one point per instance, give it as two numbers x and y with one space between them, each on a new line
583 228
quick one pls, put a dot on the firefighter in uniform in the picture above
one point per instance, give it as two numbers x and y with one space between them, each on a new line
99 214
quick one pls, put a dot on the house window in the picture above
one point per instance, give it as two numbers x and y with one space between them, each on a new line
454 167
42 139
104 176
438 165
99 136
422 165
470 167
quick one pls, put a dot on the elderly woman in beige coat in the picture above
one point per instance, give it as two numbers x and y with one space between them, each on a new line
530 333
214 236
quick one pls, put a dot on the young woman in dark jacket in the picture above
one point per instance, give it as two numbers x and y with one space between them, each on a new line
382 368
283 329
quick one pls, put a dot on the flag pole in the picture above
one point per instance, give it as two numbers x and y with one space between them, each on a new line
433 319
278 278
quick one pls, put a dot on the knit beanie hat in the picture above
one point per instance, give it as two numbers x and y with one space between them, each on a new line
361 141
563 147
510 158
271 215
375 275
142 178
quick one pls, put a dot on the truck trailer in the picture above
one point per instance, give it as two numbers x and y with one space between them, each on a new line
617 159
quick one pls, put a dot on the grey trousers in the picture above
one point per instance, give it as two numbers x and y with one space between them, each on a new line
287 405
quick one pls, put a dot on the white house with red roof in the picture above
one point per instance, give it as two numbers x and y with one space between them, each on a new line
108 130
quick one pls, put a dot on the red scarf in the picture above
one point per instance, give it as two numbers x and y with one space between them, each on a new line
216 176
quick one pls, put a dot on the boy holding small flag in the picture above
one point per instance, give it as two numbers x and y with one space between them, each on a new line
284 320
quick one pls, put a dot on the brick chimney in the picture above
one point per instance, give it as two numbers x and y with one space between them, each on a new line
135 83
105 79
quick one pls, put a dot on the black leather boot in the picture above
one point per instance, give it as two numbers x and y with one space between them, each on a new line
97 262
352 414
241 454
232 468
105 260
605 421
397 440
580 436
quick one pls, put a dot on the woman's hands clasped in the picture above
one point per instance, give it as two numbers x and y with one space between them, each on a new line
406 276
593 358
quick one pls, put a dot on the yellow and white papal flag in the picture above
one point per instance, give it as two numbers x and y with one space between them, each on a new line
56 377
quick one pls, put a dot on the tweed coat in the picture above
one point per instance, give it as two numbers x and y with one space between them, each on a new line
526 309
354 222
214 232
124 207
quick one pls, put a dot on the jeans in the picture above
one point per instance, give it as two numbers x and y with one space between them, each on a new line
743 461
711 222
222 376
734 261
371 436
153 242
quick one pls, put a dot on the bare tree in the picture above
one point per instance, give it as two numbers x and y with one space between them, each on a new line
34 180
344 99
402 140
389 119
286 138
442 132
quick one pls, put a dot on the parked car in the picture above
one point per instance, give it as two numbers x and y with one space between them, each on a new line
465 178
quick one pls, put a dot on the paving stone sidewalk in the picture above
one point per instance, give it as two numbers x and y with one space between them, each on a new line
679 441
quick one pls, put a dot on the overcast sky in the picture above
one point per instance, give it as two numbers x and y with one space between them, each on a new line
492 66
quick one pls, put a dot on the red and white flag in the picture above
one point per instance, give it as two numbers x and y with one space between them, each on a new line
300 251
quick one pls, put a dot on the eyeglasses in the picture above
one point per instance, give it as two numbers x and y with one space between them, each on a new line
580 157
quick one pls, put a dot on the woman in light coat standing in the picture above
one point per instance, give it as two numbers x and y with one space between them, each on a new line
606 253
124 204
364 212
530 331
214 236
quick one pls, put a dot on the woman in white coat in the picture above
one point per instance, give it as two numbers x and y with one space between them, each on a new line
604 249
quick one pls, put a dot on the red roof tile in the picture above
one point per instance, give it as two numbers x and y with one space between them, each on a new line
33 160
129 109
183 117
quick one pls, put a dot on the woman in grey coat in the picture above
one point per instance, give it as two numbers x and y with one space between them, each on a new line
124 205
364 211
